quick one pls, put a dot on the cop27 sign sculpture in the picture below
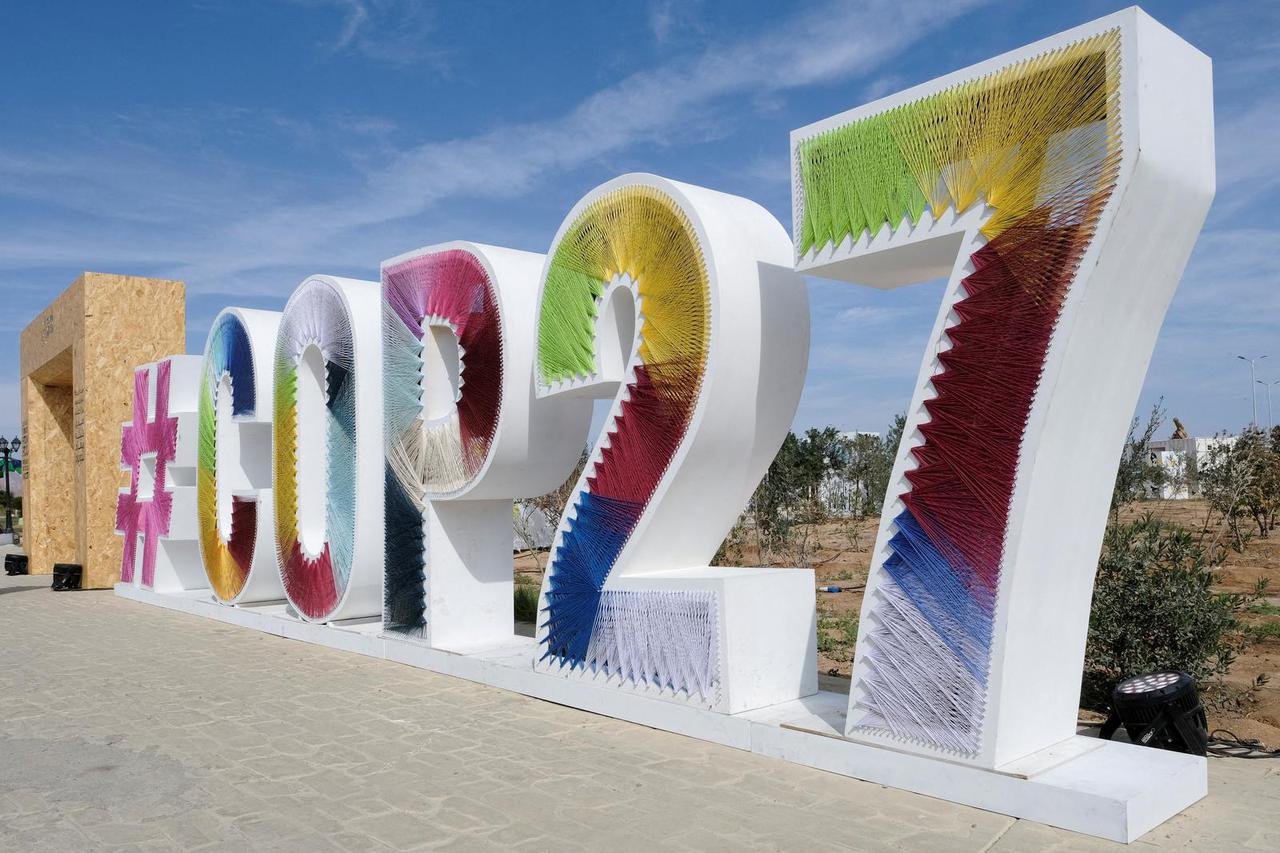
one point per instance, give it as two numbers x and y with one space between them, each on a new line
1059 189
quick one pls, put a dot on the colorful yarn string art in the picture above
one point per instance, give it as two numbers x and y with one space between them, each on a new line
434 454
669 637
1038 143
146 441
634 237
319 445
234 405
228 358
158 449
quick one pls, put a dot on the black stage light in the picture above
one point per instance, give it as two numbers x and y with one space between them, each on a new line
66 576
1161 709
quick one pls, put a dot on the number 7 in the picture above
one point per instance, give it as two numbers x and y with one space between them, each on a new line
1062 188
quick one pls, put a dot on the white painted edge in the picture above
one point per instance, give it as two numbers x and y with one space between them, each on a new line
1109 790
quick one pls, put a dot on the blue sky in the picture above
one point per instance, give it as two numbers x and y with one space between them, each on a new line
242 146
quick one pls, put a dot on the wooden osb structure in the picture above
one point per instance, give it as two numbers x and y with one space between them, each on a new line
77 366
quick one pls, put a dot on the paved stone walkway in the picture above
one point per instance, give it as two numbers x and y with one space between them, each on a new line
127 727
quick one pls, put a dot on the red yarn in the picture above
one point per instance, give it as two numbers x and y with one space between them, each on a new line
961 490
653 422
244 534
310 582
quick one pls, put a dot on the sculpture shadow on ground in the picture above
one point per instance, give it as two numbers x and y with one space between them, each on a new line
9 589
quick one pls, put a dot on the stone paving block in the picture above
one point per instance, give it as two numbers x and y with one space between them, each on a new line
1025 837
123 833
400 830
357 842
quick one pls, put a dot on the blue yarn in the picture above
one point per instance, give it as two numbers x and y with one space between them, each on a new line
404 573
586 554
401 371
404 576
231 353
932 582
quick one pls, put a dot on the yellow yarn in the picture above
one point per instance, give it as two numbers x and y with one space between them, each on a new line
637 231
1027 136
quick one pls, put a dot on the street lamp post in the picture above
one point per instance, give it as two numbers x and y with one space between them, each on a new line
7 448
1271 422
1253 378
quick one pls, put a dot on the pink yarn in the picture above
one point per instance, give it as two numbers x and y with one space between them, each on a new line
159 436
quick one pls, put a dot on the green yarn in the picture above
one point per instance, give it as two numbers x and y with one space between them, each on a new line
207 427
566 331
857 178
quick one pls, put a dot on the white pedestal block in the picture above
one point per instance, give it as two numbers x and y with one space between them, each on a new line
765 616
470 595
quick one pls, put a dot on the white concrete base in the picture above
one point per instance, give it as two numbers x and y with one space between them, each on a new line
767 644
1110 790
469 578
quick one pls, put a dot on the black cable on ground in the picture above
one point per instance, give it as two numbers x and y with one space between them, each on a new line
1229 746
1234 747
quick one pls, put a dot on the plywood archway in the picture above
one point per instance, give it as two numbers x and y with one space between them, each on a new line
76 367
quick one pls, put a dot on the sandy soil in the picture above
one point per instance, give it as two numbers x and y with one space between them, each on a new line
840 554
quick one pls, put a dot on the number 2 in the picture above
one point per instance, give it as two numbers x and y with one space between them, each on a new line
678 303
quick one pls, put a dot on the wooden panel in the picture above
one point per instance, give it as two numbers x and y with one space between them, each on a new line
49 466
128 321
51 335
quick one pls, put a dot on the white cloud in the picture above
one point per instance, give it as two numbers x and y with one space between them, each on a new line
396 32
667 17
1247 142
1231 278
770 170
867 315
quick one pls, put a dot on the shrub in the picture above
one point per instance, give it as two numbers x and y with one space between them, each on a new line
526 602
1228 478
788 503
1136 474
837 635
1264 632
1154 609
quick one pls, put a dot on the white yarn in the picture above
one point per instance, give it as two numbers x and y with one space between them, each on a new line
668 639
915 687
426 456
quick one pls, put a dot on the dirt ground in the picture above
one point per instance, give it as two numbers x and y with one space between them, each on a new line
840 554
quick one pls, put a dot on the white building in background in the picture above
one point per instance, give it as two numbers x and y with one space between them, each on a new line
1172 455
840 493
530 528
